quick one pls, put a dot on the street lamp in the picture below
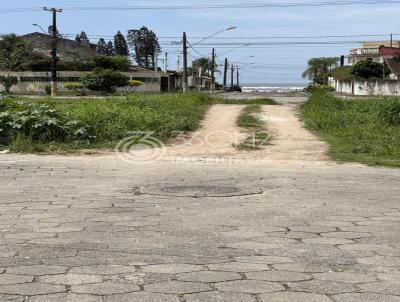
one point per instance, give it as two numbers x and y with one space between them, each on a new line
217 33
37 25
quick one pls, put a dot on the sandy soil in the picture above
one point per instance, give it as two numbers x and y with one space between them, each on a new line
216 137
290 142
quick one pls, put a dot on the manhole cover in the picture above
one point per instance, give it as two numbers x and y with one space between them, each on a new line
200 191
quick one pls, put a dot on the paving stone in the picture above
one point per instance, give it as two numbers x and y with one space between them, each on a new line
208 276
240 267
346 235
142 297
105 288
378 248
380 261
254 245
366 297
12 298
14 279
276 240
345 277
177 287
390 277
172 268
327 241
31 289
301 268
29 236
104 269
278 276
312 229
264 259
322 287
66 297
389 288
219 297
71 279
293 297
249 286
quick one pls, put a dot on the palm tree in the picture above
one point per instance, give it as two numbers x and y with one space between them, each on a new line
204 63
319 68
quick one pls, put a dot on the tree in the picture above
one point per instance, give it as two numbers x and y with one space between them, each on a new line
102 48
144 45
106 80
82 38
115 63
121 47
205 64
15 54
110 49
367 69
319 68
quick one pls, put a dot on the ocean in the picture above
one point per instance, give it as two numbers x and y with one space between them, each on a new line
273 87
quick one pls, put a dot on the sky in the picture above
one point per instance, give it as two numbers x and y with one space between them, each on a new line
265 64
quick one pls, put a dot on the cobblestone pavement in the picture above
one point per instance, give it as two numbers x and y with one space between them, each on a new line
79 229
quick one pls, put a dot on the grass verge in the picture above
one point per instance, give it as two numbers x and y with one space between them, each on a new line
48 125
364 130
257 135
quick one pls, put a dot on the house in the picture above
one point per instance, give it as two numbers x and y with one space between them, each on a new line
394 66
200 82
66 49
374 51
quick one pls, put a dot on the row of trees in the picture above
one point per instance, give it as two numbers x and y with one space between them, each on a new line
320 69
141 44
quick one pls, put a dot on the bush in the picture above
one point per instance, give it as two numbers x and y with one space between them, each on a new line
39 123
319 88
367 69
118 63
77 87
133 84
106 80
47 89
8 82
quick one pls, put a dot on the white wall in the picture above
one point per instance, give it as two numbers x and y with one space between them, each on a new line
369 87
151 81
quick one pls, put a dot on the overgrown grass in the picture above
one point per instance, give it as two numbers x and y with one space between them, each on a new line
363 130
257 135
105 121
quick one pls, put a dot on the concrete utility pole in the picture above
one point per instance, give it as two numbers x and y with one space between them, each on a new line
185 75
391 40
225 72
232 72
213 70
237 76
155 60
166 62
54 58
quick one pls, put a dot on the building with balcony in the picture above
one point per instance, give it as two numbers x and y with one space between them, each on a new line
374 51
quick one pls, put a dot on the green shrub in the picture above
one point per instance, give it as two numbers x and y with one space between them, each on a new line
77 87
320 88
106 80
368 69
118 63
39 123
8 82
47 89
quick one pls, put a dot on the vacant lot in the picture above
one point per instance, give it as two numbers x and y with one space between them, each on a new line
39 125
365 130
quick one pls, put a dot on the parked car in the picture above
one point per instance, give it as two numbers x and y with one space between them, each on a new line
234 88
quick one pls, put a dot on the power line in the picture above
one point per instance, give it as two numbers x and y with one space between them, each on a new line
214 6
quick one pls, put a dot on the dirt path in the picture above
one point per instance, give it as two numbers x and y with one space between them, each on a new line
290 143
216 137
290 140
